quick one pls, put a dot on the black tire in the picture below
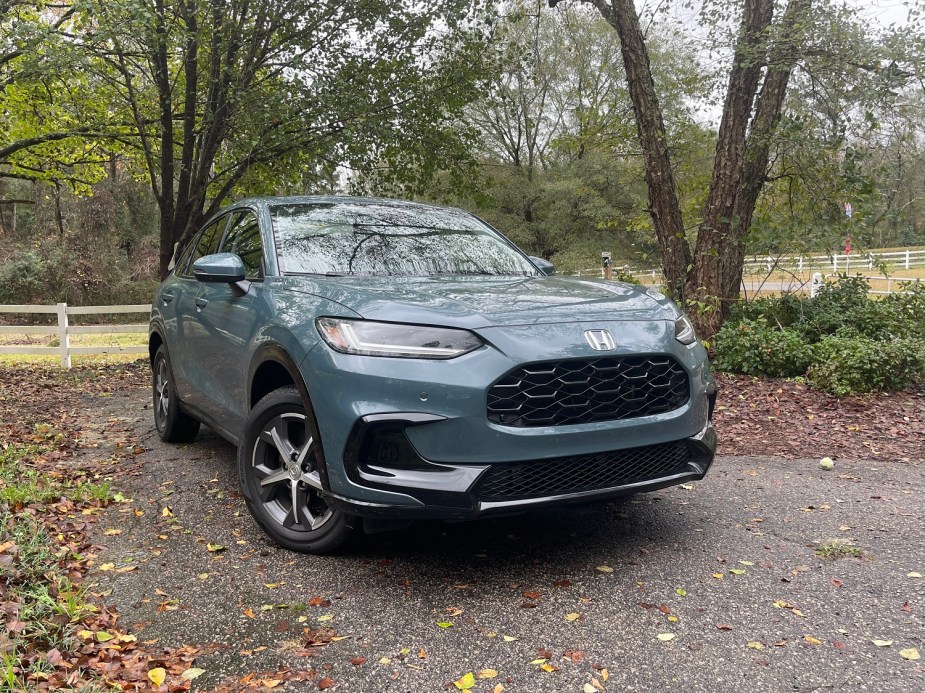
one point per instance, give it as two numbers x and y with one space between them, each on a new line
278 466
172 424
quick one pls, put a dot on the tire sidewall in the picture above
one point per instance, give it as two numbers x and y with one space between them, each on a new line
333 533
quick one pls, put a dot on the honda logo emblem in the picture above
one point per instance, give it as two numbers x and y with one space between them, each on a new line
600 340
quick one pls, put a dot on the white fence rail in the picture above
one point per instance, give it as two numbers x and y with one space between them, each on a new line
65 331
836 262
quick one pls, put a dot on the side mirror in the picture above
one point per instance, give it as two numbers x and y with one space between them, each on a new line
225 268
544 266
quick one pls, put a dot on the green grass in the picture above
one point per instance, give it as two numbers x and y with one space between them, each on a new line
112 339
839 549
22 483
49 604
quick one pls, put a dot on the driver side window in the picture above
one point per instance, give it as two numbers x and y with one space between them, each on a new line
208 242
243 239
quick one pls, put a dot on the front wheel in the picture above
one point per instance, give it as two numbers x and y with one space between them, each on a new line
278 464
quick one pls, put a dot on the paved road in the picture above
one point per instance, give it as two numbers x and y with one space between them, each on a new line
810 620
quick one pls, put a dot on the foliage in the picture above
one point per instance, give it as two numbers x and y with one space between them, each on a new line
842 340
755 347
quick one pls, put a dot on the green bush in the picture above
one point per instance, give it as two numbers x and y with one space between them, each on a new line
844 341
755 348
848 364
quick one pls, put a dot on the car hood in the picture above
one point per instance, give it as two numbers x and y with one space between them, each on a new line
474 302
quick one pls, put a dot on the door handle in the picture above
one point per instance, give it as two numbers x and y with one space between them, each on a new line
166 298
201 303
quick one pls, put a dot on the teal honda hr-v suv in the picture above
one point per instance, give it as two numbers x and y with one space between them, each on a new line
379 361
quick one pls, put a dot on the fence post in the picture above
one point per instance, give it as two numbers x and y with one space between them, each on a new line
801 264
907 259
815 285
834 264
64 339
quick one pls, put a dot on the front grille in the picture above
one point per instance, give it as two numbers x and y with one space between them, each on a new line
505 482
571 392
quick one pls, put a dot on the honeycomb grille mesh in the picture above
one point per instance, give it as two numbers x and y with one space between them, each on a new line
571 392
505 482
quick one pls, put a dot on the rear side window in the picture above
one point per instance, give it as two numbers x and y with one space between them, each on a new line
208 242
243 238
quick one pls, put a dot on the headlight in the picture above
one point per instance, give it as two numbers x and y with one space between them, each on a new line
684 330
368 338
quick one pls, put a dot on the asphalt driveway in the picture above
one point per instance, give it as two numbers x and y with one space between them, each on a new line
715 587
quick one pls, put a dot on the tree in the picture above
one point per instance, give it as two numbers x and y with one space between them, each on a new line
226 96
559 164
770 42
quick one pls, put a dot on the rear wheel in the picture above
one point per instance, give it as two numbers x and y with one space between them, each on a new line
172 424
278 462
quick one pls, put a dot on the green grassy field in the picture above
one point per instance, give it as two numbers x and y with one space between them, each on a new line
113 339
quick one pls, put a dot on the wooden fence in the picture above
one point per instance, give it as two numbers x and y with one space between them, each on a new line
65 331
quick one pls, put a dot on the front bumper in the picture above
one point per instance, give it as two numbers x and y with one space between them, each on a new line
462 492
442 457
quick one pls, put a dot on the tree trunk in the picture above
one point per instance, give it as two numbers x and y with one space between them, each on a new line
707 282
664 207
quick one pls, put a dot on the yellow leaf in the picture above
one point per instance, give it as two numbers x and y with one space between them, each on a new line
604 569
466 682
385 660
680 592
755 645
215 548
588 688
325 618
737 571
166 513
541 660
192 673
127 638
107 566
605 675
746 563
112 532
913 574
445 624
910 653
548 667
718 576
487 674
157 676
508 638
673 618
665 637
203 576
103 636
85 634
127 569
302 619
572 616
882 643
271 683
811 640
498 688
270 585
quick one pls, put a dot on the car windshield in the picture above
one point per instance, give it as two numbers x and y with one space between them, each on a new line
343 238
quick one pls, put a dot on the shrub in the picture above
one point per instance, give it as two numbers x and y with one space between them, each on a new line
843 340
755 348
845 364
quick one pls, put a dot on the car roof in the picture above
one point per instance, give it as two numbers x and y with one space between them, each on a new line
266 201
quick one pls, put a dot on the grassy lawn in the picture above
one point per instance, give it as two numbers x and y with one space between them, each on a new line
110 339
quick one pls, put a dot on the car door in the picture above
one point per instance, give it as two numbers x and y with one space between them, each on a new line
227 321
186 342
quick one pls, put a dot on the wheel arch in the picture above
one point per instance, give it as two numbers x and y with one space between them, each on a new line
274 367
155 341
